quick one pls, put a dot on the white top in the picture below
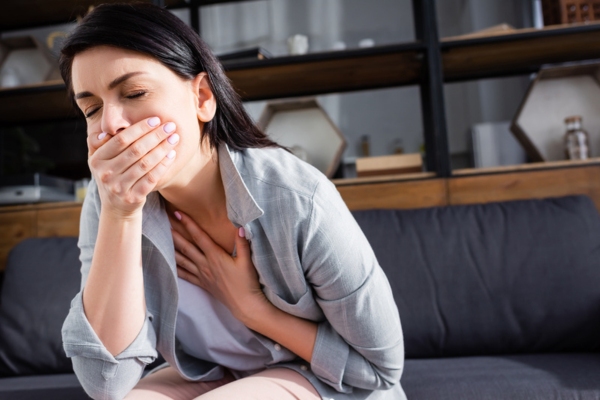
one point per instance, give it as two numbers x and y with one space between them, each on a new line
207 330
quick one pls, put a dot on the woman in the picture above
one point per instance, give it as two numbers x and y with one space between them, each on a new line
204 240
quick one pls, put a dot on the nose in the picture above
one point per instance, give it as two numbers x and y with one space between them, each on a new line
113 119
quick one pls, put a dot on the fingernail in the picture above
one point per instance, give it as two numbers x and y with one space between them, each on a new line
174 138
242 232
171 154
102 136
170 127
154 121
177 215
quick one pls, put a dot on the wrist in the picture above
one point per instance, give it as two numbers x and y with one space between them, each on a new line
256 311
120 215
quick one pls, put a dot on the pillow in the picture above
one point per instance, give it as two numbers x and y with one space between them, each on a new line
41 278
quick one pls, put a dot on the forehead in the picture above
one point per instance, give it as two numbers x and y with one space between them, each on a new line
100 65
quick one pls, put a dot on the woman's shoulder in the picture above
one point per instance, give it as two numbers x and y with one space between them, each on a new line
275 168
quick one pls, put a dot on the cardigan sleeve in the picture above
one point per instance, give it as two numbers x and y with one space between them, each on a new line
360 343
102 375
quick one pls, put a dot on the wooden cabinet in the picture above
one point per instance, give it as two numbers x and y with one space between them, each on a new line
402 192
532 181
14 226
40 220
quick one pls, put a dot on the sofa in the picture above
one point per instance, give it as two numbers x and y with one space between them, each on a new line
38 283
497 301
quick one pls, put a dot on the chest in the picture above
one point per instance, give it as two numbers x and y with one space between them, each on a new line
222 234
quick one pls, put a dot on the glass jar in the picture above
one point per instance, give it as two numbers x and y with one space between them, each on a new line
577 140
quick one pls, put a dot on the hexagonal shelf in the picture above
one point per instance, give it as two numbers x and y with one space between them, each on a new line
557 93
306 129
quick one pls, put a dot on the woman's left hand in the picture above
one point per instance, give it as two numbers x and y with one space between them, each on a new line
231 280
234 282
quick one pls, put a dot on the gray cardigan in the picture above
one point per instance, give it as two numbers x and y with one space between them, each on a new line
312 259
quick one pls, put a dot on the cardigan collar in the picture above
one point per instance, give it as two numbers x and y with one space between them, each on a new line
241 206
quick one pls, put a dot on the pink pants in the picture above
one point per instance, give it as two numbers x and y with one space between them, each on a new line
271 384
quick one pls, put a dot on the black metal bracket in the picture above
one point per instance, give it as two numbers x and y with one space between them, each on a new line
437 154
194 9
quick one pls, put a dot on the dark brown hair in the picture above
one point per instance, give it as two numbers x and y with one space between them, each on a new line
156 32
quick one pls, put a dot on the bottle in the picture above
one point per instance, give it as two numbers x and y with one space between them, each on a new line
577 140
365 146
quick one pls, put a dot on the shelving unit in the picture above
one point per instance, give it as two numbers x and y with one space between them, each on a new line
428 62
259 80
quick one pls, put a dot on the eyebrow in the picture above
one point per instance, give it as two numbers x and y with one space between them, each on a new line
111 85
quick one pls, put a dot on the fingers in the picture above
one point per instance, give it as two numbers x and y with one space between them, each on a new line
241 244
200 238
148 180
95 141
189 251
191 263
143 175
136 153
176 225
190 277
134 170
117 144
185 263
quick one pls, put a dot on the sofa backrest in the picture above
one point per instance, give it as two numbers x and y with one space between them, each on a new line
498 278
42 276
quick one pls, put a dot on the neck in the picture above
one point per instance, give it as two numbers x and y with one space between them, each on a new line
199 191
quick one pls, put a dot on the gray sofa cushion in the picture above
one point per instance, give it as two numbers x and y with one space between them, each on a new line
502 278
47 387
519 377
41 278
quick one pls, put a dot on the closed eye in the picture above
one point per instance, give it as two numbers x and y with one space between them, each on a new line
136 95
91 113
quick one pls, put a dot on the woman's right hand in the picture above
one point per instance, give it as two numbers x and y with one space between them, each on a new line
128 165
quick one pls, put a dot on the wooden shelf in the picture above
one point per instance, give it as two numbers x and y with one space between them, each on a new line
527 167
310 74
551 180
384 178
537 166
35 103
39 206
519 52
319 73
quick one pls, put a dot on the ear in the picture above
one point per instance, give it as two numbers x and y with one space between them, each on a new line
206 104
